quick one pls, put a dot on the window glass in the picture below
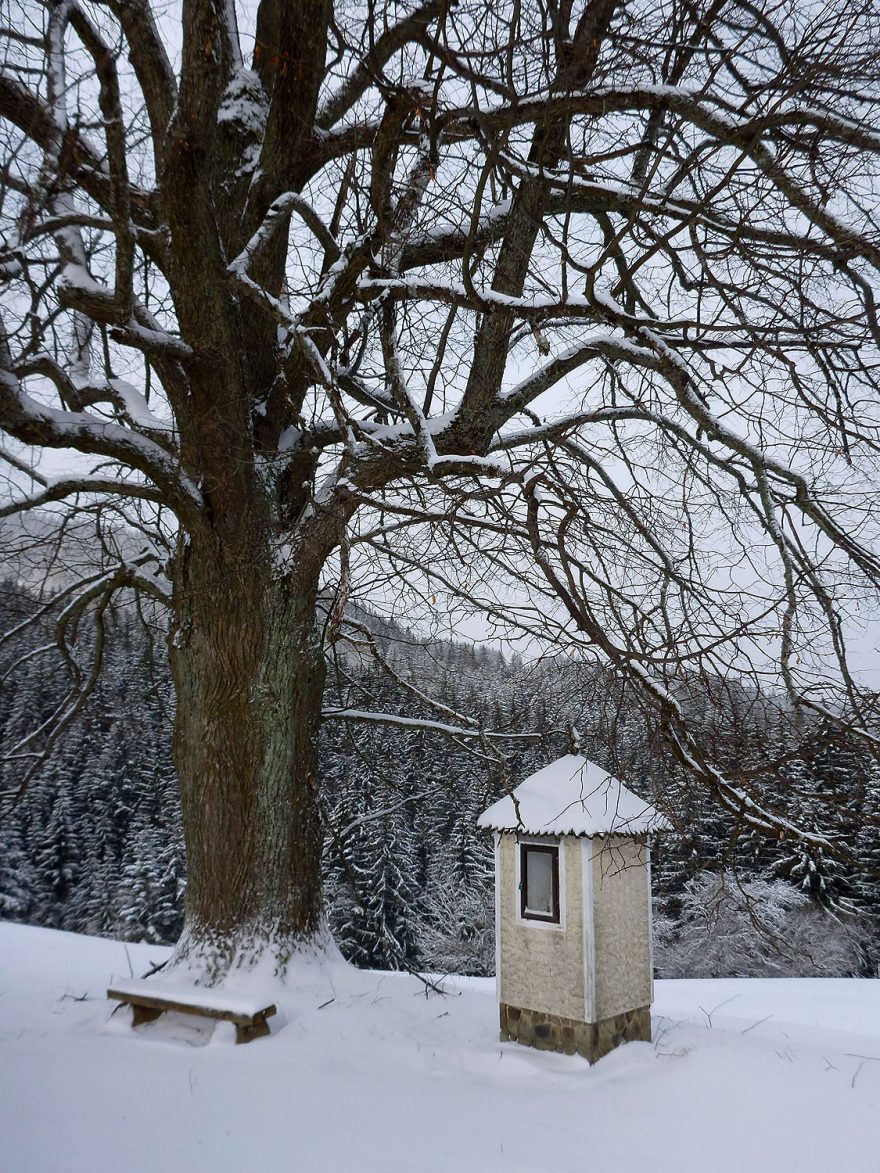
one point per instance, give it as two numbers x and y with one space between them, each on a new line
539 882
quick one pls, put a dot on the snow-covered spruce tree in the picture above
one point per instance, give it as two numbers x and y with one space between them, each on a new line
377 901
16 878
371 862
150 886
827 786
867 883
446 291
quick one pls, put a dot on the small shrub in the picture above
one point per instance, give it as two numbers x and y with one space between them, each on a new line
758 928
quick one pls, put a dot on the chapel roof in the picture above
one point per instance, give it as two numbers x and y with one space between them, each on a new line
573 796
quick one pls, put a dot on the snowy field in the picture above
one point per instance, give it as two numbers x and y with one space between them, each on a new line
742 1075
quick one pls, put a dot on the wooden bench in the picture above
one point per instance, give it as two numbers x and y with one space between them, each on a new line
149 999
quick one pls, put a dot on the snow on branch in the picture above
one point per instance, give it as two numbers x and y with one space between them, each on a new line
274 220
33 422
368 640
594 345
133 326
382 49
703 108
60 490
596 306
415 723
84 161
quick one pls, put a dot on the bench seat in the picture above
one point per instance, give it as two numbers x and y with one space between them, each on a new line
149 999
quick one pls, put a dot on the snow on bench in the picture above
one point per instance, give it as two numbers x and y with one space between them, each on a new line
149 999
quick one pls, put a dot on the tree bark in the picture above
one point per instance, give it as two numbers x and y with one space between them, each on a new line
249 673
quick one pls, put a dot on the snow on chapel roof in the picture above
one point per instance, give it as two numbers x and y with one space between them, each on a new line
572 796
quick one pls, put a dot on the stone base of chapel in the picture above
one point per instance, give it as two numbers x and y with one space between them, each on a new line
552 1032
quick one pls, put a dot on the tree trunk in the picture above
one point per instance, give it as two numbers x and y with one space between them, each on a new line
249 673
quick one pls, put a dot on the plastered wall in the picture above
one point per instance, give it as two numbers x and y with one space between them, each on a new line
542 968
621 925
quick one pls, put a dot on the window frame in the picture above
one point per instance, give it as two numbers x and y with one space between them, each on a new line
525 914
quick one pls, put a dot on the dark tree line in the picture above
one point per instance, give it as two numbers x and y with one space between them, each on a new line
94 844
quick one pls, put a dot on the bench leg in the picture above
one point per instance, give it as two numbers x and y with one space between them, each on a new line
245 1034
142 1014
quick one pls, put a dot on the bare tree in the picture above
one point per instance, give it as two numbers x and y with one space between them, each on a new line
448 289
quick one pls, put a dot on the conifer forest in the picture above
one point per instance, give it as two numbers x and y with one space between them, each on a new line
95 843
400 394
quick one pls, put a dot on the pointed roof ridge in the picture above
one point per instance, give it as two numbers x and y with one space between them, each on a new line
573 796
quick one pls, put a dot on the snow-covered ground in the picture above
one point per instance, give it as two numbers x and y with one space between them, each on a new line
742 1075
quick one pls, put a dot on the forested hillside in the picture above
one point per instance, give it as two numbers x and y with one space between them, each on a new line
93 842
